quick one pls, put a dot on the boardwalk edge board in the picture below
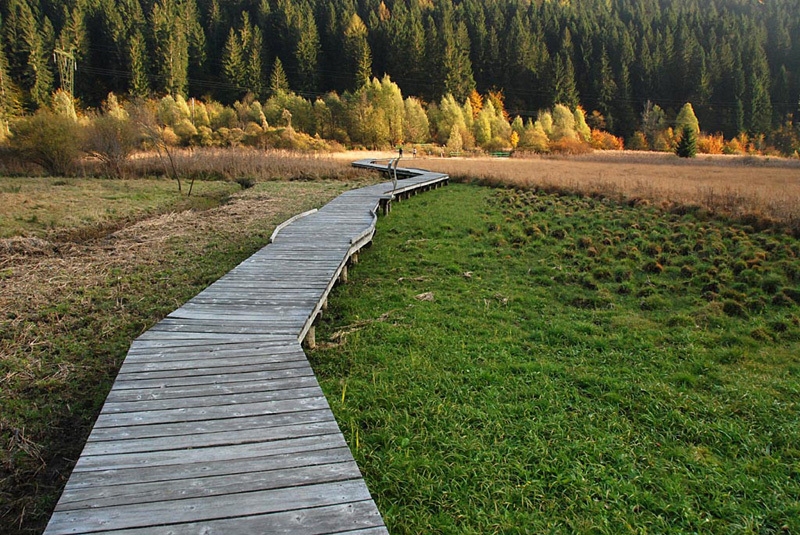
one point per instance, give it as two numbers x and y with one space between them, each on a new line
216 423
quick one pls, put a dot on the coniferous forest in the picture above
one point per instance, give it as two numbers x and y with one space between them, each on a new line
736 61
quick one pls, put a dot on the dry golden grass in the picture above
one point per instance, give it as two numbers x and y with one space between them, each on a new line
766 190
244 162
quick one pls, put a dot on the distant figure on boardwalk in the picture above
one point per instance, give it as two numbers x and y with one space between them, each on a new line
400 151
414 153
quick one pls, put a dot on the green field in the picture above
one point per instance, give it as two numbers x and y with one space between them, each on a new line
506 362
38 206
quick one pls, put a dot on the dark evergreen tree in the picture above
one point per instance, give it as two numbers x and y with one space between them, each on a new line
358 55
27 54
278 83
687 145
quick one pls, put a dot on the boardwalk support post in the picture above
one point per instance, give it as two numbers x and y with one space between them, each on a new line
311 340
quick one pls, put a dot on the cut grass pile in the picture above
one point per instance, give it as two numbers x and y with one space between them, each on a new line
505 361
71 308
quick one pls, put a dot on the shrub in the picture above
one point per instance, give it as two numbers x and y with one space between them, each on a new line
48 139
713 144
111 140
569 146
638 141
604 141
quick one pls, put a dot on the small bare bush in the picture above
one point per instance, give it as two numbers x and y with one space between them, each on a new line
111 140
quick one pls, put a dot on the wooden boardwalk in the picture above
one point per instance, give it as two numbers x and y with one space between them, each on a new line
216 423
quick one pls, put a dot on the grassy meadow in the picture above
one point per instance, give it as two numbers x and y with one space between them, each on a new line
507 361
502 361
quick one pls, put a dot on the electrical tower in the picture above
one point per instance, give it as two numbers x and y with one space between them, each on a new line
66 68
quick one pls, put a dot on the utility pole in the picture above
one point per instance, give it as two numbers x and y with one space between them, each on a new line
65 60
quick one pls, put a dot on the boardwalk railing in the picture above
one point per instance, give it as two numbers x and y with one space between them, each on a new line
215 423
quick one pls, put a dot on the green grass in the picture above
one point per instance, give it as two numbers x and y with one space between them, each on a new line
584 367
36 206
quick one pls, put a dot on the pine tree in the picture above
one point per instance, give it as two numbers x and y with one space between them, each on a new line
27 54
687 146
253 66
564 90
358 52
139 84
233 61
241 59
307 52
171 53
278 83
9 97
457 65
606 87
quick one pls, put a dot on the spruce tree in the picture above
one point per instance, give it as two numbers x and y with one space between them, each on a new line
28 58
564 90
307 51
137 56
687 145
458 79
278 83
171 54
359 55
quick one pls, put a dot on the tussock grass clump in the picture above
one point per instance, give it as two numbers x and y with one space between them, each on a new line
555 390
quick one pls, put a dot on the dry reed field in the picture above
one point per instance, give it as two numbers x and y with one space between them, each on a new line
765 189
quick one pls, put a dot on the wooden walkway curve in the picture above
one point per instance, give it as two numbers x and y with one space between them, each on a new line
216 423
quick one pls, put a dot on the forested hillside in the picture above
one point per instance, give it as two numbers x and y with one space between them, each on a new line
737 61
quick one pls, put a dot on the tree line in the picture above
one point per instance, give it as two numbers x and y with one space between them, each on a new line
737 61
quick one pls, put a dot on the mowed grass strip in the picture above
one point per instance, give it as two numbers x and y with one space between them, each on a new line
512 362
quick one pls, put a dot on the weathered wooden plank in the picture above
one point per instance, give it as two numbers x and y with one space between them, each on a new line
189 361
207 468
207 455
163 491
211 368
363 517
219 400
209 413
206 508
155 338
205 440
177 429
213 351
218 378
212 390
187 327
